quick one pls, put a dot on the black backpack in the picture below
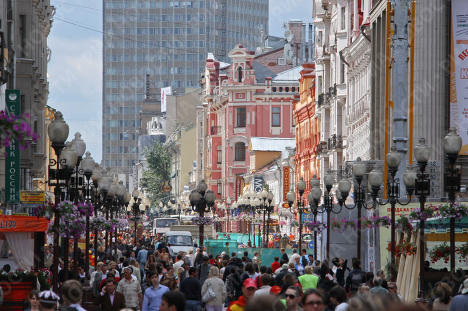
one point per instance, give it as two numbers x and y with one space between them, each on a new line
304 260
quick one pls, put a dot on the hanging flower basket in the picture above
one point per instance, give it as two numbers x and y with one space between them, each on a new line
403 224
336 224
294 223
350 224
44 276
316 226
441 251
406 248
202 221
456 211
463 252
72 218
14 128
418 215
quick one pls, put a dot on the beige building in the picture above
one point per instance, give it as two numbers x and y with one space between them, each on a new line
182 145
181 109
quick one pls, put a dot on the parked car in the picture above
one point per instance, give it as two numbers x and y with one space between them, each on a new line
463 188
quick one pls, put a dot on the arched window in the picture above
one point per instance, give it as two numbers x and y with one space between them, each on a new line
239 149
239 74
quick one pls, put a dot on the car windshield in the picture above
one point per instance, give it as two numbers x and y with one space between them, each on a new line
307 237
163 223
180 240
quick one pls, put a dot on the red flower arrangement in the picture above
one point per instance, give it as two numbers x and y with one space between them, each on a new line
406 248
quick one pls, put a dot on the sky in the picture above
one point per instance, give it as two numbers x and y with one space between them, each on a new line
75 68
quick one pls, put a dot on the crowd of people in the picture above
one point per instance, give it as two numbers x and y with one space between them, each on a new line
149 276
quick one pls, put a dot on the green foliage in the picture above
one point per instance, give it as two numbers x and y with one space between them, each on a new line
158 168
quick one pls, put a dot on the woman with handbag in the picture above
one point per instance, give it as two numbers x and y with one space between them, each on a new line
213 291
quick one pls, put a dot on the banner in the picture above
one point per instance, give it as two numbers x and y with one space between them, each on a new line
238 187
459 71
12 153
286 181
258 184
23 224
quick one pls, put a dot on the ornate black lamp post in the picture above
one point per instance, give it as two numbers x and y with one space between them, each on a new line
87 165
70 157
313 197
376 177
291 197
58 133
344 186
452 146
327 206
136 208
202 200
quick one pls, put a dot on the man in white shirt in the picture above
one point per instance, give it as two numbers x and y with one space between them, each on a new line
294 256
265 289
178 263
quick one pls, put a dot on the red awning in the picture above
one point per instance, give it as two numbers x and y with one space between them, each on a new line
23 223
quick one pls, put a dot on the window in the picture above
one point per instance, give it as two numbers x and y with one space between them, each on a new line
22 33
241 117
239 152
220 154
219 186
342 73
343 18
239 74
276 116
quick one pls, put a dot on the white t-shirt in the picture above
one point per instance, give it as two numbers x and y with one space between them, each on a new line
342 307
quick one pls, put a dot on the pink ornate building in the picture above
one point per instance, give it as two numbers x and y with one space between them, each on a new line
241 100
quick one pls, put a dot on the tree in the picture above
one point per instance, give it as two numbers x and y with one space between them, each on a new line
158 168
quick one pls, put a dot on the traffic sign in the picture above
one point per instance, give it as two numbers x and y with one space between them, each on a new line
311 245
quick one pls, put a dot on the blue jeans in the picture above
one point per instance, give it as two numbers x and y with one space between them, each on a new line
193 305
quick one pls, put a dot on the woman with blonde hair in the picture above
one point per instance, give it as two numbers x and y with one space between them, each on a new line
218 287
363 289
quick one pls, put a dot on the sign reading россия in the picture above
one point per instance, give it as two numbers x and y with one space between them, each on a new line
12 153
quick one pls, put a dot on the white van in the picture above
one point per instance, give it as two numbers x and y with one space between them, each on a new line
180 241
163 225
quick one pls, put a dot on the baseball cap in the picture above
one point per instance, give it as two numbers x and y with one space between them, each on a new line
275 290
48 296
249 283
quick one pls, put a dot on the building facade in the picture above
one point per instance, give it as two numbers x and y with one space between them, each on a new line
169 41
240 101
307 162
25 27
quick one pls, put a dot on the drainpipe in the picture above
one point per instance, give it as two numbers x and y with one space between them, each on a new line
363 27
343 59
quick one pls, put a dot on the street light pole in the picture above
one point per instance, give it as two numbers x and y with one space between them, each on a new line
452 146
58 132
202 200
393 159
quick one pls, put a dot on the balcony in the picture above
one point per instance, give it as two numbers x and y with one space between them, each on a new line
322 149
216 130
335 143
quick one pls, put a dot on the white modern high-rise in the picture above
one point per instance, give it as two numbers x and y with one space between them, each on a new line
169 40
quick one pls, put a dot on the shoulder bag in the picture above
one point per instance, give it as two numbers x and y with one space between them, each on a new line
210 294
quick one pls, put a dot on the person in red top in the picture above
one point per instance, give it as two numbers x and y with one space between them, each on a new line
275 265
248 291
110 276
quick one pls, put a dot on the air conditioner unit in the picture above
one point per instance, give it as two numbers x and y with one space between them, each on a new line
281 61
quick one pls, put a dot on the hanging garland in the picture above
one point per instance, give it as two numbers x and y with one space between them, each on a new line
316 226
200 221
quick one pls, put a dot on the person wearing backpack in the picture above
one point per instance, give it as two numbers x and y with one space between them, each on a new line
355 278
215 286
238 279
305 258
204 270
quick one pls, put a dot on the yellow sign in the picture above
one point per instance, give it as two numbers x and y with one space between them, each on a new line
32 197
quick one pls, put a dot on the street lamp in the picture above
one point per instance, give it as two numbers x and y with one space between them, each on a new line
344 186
87 165
376 177
202 200
58 134
136 208
452 146
327 206
313 197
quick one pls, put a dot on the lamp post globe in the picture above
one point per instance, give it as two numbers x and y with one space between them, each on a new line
202 187
291 197
79 145
393 159
69 156
87 164
121 190
301 185
452 142
314 182
97 171
344 186
58 131
329 180
409 179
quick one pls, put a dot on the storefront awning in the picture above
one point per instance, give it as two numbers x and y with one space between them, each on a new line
441 225
23 223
